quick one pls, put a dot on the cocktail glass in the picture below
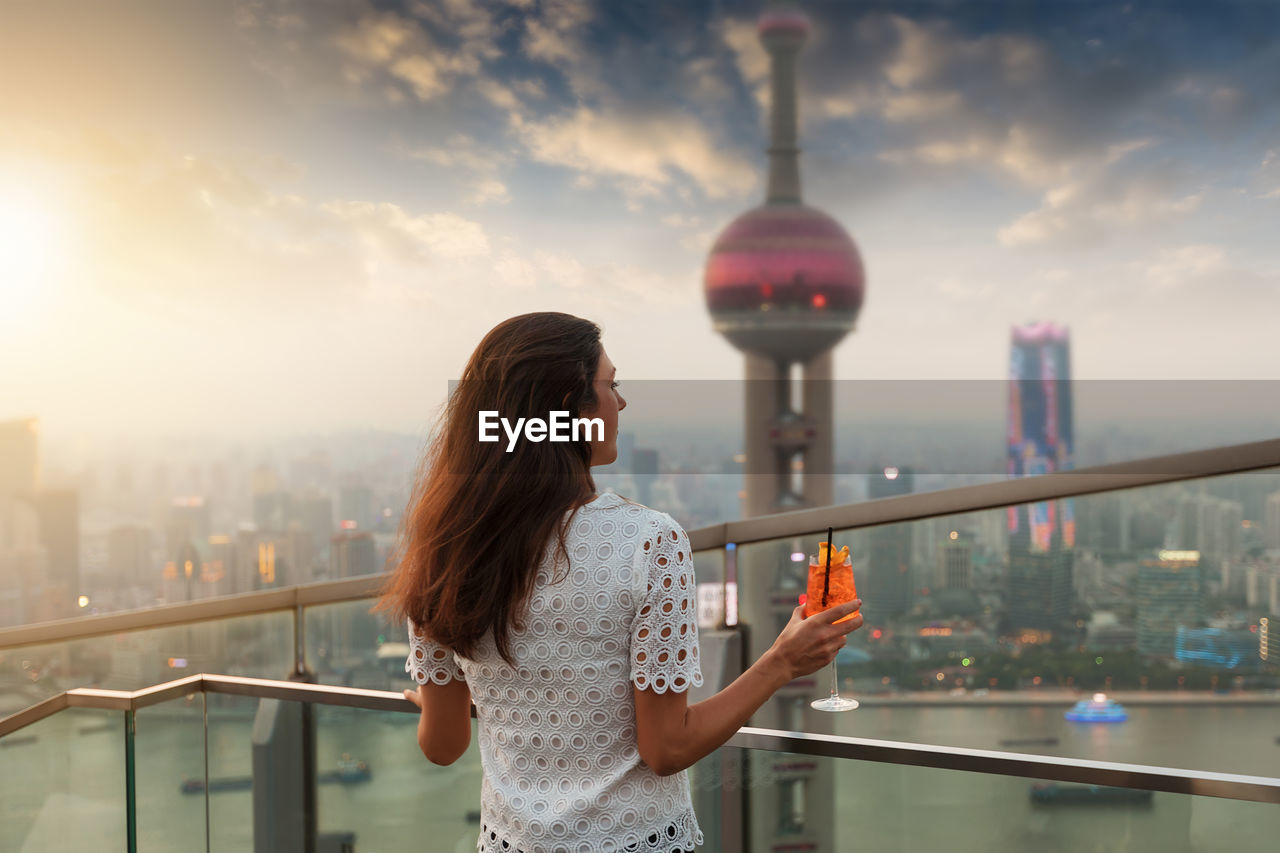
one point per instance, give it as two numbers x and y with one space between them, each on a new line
839 589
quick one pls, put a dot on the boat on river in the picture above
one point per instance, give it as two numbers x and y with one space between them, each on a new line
1055 793
1099 709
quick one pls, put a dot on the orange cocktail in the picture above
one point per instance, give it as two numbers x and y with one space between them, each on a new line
840 587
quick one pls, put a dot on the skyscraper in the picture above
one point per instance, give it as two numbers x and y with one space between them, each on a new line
58 515
1168 597
1041 440
19 465
353 553
889 580
644 472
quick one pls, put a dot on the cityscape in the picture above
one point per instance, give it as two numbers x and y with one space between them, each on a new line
1171 583
250 248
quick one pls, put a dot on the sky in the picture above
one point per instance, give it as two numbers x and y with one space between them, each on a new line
270 216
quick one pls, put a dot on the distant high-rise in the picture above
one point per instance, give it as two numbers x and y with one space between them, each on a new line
355 503
1168 596
644 471
272 510
58 512
889 579
315 515
19 465
1271 523
189 523
956 570
129 557
353 553
1041 440
1210 525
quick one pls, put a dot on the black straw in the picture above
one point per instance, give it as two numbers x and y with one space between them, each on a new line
826 577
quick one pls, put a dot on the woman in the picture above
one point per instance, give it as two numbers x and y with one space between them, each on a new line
566 616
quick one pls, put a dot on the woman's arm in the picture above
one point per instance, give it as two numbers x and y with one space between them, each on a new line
672 735
444 728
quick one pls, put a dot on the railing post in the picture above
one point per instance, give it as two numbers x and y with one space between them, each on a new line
130 783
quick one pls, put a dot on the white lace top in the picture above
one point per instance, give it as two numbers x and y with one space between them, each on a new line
557 733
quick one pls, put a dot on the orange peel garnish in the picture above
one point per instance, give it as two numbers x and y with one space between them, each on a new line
838 558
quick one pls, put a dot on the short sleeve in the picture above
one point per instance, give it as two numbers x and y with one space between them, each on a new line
664 635
429 661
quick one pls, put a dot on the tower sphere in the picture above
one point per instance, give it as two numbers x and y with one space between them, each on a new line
784 281
781 20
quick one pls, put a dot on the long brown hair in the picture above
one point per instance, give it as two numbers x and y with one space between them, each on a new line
480 519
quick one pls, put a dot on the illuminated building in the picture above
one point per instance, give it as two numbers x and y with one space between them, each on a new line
957 561
1216 647
1168 597
1040 434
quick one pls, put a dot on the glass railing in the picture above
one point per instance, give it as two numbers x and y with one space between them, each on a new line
64 784
260 645
170 759
228 764
820 803
976 638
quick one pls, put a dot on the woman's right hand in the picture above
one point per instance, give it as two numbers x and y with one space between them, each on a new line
807 645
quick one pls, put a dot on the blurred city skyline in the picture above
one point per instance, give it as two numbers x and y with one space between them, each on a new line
275 218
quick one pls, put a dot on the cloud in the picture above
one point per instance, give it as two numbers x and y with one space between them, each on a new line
931 97
355 48
1091 210
488 191
554 36
1174 268
617 284
642 153
482 166
411 239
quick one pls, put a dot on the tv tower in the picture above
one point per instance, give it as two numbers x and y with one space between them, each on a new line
784 283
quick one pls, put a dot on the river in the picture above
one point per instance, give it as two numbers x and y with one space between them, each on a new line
61 782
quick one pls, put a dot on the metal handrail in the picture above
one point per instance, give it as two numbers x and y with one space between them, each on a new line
1218 461
1229 786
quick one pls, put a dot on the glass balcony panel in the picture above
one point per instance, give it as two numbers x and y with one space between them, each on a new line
375 785
62 784
352 647
847 805
259 646
170 762
976 638
374 788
